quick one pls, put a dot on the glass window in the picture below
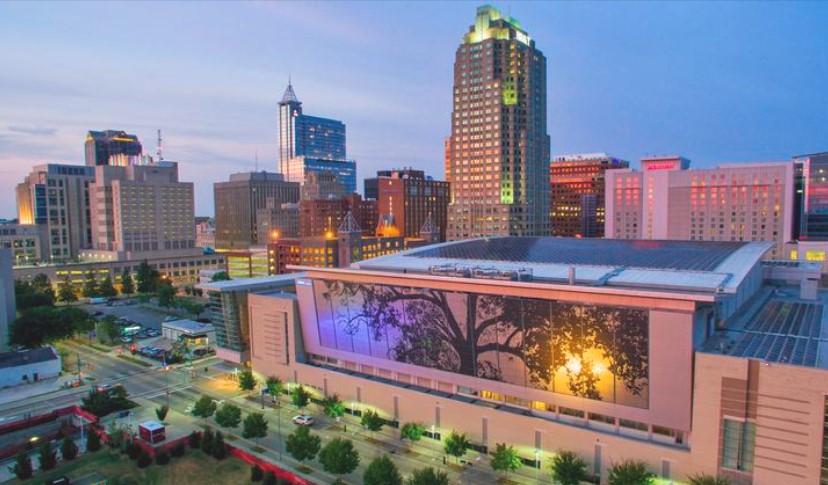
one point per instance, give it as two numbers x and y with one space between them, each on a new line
738 441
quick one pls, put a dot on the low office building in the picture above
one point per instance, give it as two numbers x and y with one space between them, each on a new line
227 309
179 270
197 335
29 366
690 356
25 241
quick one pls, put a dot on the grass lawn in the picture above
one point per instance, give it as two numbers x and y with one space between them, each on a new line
194 468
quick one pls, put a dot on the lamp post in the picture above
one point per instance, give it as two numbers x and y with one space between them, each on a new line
167 382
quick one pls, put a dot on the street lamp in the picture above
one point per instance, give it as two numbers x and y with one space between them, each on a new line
167 382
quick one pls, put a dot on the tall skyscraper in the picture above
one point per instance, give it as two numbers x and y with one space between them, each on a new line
141 211
577 187
112 147
239 200
56 197
498 163
736 202
811 216
301 135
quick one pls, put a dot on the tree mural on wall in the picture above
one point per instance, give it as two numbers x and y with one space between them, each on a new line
496 337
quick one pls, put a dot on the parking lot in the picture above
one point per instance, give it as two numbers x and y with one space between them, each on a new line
147 318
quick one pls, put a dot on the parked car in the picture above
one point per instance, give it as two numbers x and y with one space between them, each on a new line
303 420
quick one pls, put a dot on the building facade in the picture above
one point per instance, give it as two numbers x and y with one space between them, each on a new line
112 147
56 197
142 211
577 185
276 222
8 304
303 135
322 185
665 200
298 168
29 366
238 200
668 352
498 163
408 197
24 241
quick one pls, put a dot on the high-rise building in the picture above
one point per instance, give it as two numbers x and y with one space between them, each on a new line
321 217
577 188
408 198
112 147
309 136
299 167
737 202
238 200
8 305
498 163
57 196
812 201
141 211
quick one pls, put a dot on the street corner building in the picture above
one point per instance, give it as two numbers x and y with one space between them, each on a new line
695 357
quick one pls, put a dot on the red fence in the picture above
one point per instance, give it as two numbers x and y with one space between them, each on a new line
267 466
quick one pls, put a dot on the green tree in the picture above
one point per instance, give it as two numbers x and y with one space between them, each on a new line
333 407
93 440
382 471
339 457
229 416
207 441
161 413
42 325
38 293
302 445
505 459
78 319
255 426
256 473
705 479
568 468
23 465
191 307
48 456
219 447
371 421
68 448
204 407
220 276
90 285
108 329
456 444
412 432
300 397
67 293
630 472
166 295
102 403
107 289
146 278
274 387
247 381
428 476
127 284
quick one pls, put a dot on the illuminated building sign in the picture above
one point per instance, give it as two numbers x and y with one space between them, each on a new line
661 166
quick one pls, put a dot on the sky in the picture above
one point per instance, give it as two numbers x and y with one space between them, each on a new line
715 82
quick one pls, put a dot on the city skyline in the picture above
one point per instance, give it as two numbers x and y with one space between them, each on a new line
716 83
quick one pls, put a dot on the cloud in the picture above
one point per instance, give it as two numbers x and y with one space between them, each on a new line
32 130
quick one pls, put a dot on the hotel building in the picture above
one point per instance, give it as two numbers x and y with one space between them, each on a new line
498 152
577 185
666 200
694 357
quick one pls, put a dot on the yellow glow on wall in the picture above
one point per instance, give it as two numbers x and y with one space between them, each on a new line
815 255
794 254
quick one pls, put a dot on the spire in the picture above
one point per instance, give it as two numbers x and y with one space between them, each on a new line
289 96
349 224
429 226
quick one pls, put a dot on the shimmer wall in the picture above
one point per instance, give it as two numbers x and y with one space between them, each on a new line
594 352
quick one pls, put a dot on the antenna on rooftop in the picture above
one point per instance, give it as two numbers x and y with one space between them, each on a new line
159 152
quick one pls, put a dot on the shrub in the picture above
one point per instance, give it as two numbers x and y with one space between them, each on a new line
704 479
219 448
48 457
144 460
630 472
93 440
133 450
207 439
68 448
194 440
162 458
23 465
178 450
568 468
269 478
256 474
